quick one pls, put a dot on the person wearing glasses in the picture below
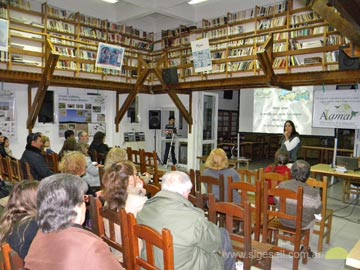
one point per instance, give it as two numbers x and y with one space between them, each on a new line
61 242
33 155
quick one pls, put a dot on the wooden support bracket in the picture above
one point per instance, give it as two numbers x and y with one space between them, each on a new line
50 64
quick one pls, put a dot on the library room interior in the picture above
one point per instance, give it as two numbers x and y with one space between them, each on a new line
243 115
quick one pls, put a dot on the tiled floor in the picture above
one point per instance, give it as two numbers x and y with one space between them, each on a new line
345 233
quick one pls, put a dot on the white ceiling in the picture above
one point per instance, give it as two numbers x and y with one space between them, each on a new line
155 15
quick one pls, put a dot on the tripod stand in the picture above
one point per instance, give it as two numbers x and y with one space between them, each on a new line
170 149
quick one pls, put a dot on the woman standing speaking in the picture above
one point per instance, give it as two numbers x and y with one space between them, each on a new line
290 141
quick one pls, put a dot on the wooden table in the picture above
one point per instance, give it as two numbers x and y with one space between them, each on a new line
353 258
325 153
232 162
349 177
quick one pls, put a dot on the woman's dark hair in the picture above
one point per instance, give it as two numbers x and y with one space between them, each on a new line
99 138
115 181
57 198
68 146
294 132
21 206
300 170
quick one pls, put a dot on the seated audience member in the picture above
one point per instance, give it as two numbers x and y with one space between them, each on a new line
18 224
73 163
32 155
46 145
217 164
69 134
279 166
123 188
8 151
115 155
300 170
68 146
92 171
98 144
61 242
197 241
83 137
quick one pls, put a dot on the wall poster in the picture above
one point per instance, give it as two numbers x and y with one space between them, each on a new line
81 112
109 56
7 114
201 55
4 35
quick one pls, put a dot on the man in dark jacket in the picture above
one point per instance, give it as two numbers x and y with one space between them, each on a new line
32 155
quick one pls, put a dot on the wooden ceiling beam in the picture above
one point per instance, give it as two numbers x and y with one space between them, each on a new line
344 23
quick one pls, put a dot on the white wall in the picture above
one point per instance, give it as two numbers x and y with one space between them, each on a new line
146 103
229 104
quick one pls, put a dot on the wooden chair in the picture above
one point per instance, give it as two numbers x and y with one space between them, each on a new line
322 227
151 190
198 200
151 238
272 177
53 161
27 171
210 182
101 174
243 245
5 168
15 171
248 176
11 260
273 230
248 193
134 157
193 181
149 164
117 236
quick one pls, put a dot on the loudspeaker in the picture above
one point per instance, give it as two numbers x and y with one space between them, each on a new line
346 62
155 119
170 75
228 94
46 114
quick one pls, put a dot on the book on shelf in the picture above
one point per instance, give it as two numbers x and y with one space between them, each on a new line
312 44
312 60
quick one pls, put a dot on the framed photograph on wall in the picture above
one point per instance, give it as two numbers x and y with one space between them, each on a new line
4 35
109 56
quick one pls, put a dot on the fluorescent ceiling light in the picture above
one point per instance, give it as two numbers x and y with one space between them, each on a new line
193 2
111 1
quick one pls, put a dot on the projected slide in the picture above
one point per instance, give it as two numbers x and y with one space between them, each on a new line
272 107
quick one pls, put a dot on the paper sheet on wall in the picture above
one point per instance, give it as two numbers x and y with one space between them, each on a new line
7 114
337 109
201 55
273 106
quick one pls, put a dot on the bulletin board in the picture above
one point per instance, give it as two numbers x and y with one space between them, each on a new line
81 112
7 114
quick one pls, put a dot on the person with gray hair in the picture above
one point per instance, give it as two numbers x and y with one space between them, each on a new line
83 137
197 241
61 242
300 171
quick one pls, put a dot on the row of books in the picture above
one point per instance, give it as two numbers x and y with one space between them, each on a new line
3 13
271 23
279 63
17 33
61 27
92 33
240 15
119 39
214 22
240 66
182 29
60 13
222 32
69 52
305 17
4 56
58 39
66 65
20 60
141 45
216 68
333 40
241 52
25 4
307 32
271 10
96 22
27 22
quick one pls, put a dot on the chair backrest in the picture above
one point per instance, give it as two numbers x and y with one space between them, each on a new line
209 182
248 193
198 200
133 155
101 175
53 161
151 190
148 161
323 186
248 176
15 171
5 168
27 171
151 238
117 236
283 196
193 181
233 212
12 261
273 177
